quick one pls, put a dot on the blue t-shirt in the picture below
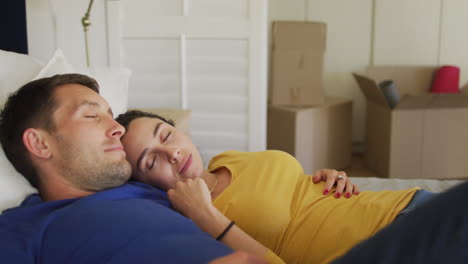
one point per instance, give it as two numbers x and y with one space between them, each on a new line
128 224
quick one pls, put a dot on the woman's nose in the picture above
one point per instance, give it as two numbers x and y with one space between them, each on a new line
174 155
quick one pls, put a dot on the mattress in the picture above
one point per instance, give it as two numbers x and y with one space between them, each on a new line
378 184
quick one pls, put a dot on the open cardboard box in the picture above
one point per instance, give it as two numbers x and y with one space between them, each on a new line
319 137
424 136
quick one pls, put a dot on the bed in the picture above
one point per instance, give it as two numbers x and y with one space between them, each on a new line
114 87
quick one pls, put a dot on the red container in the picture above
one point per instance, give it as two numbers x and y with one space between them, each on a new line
446 80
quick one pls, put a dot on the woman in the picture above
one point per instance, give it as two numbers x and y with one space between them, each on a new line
266 193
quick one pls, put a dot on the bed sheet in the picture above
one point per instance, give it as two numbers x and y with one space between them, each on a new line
378 184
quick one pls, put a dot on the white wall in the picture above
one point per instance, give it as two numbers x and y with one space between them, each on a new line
64 17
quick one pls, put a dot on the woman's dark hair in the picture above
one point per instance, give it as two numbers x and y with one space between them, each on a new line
126 118
32 106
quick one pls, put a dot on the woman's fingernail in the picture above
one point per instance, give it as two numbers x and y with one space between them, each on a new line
325 192
347 195
337 195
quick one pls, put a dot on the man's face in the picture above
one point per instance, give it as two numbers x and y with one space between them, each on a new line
86 140
160 154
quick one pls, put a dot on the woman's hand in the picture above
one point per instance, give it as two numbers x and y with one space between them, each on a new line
192 199
343 185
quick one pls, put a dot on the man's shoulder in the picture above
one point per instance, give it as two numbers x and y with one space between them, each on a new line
34 207
131 192
111 224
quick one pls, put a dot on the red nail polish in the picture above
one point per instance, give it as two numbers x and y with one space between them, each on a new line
347 195
325 192
337 195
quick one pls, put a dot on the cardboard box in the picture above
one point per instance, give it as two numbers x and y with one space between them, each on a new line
424 136
297 56
181 117
319 137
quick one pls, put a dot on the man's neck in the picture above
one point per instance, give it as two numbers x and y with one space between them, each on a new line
53 190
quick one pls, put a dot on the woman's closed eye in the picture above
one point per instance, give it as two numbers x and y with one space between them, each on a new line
167 136
152 162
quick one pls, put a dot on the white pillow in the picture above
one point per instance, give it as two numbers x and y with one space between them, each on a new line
113 82
113 86
13 186
16 70
56 65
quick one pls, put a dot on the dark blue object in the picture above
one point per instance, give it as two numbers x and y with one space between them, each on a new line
13 30
435 232
390 91
128 224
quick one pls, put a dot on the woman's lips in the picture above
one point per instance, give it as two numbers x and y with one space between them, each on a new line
187 164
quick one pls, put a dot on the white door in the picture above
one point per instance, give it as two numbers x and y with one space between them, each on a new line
209 56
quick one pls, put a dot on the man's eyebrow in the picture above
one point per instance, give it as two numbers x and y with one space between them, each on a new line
93 104
87 103
146 150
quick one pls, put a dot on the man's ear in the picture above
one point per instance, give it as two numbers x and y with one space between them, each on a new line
35 141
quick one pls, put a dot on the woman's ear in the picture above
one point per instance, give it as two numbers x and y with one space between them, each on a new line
35 141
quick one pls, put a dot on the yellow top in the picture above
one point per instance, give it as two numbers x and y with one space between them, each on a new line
272 200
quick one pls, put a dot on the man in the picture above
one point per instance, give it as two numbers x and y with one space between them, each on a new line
60 134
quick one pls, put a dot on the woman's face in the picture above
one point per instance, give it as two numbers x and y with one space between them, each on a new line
160 154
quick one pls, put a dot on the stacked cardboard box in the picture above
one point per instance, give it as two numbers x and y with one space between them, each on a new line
301 120
297 54
424 136
319 137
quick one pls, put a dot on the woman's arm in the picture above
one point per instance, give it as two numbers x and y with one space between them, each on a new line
192 199
239 257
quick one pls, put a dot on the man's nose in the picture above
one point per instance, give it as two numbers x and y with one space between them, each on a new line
116 130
